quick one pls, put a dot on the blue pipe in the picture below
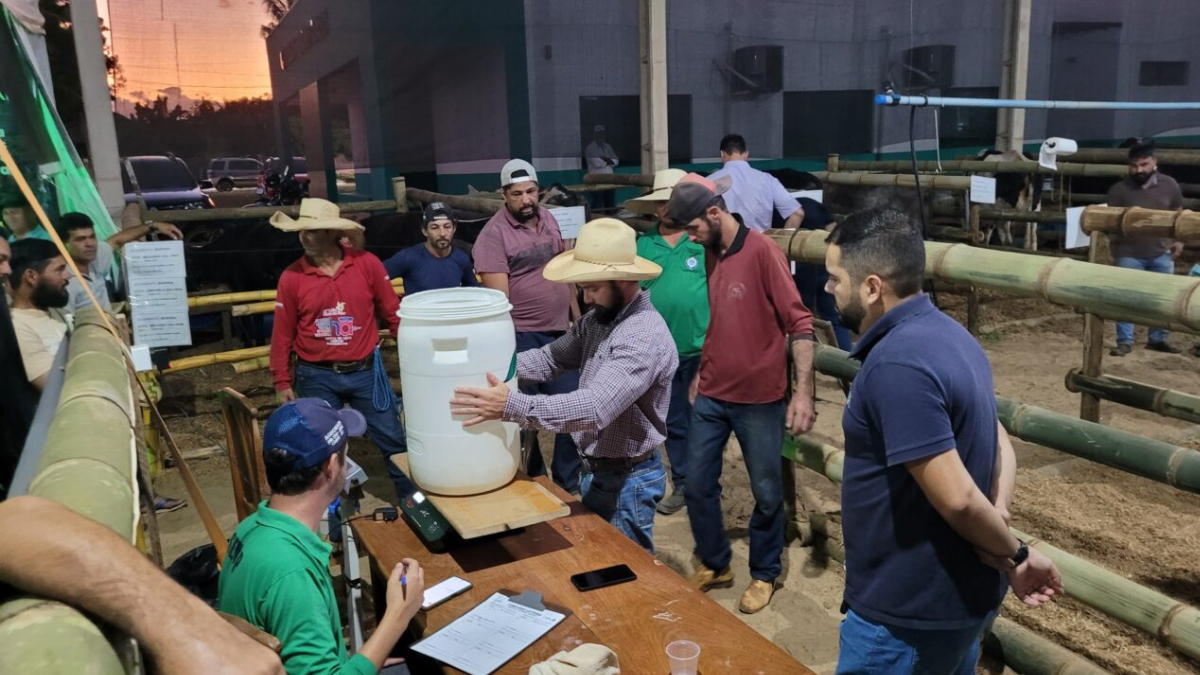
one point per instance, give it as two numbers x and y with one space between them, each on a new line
896 99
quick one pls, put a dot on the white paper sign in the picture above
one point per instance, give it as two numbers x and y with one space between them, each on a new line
570 219
983 190
817 196
157 282
1075 236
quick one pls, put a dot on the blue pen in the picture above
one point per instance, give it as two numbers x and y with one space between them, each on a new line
404 583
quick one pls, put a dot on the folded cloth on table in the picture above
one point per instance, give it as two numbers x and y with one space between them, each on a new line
586 659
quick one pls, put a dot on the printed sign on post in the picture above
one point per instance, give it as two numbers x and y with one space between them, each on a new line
570 219
983 190
157 280
1075 236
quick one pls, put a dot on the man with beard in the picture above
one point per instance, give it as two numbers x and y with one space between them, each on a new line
680 294
757 318
929 471
626 356
1147 188
436 263
510 254
327 312
39 292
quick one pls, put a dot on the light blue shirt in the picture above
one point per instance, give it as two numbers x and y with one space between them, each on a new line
754 194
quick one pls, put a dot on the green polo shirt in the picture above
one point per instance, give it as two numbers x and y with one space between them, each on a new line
680 293
276 576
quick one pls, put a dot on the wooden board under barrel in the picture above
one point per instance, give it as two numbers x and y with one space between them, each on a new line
521 503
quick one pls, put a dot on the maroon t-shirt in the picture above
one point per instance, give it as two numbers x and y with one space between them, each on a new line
755 307
509 247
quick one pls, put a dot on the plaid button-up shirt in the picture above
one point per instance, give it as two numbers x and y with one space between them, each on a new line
626 367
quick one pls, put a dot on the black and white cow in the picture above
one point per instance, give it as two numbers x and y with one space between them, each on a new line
1019 191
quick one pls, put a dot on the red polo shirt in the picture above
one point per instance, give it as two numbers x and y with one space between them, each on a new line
754 307
330 318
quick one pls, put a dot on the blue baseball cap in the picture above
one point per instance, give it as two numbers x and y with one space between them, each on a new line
311 431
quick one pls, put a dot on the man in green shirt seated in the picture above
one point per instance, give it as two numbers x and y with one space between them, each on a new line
276 573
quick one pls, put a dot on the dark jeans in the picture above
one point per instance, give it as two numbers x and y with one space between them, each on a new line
604 199
679 419
626 498
565 464
810 281
356 390
759 429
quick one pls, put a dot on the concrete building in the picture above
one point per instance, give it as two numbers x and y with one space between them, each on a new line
444 93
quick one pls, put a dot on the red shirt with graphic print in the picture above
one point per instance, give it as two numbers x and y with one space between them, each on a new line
330 318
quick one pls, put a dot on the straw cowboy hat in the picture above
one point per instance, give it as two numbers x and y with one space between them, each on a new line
664 180
606 250
315 214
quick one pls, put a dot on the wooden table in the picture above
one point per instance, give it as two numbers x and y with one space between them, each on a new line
636 620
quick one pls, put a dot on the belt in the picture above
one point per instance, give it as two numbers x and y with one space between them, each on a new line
342 366
594 464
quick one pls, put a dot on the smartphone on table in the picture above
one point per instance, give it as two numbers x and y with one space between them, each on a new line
443 591
608 576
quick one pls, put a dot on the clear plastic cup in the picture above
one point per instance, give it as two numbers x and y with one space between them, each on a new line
684 656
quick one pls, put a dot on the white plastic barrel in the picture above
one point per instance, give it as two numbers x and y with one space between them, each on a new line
451 338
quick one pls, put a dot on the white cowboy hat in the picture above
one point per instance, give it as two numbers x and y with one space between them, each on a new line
664 180
315 214
606 250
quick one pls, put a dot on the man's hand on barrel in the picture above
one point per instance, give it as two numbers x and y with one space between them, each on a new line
483 405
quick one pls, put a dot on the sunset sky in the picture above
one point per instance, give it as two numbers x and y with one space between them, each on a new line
220 56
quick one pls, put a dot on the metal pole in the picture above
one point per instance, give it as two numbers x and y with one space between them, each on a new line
97 105
892 99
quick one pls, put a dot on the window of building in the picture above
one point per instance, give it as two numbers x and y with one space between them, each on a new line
959 126
817 123
621 117
1163 74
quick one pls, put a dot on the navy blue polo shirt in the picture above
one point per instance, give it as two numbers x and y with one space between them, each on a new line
423 271
925 388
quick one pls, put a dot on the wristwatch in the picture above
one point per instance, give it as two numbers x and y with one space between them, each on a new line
1021 554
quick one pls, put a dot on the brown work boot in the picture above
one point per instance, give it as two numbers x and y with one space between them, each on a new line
704 578
757 596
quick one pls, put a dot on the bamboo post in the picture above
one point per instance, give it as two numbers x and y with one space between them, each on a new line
1172 302
1176 624
260 363
220 300
1134 221
1157 460
833 163
400 193
1030 654
981 166
226 330
1165 402
254 212
1093 340
624 179
973 293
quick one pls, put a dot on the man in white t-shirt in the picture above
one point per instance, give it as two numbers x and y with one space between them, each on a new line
601 159
39 292
95 258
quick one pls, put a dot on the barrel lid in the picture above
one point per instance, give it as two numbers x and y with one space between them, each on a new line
454 304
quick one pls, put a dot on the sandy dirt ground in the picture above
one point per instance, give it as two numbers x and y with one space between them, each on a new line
1139 528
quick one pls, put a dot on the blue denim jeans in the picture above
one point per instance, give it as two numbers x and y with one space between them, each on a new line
564 464
869 648
810 281
1163 264
679 419
626 498
759 429
356 390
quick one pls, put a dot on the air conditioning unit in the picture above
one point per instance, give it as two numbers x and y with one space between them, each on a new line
762 65
936 61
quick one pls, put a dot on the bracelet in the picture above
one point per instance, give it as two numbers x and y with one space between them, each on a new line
1022 553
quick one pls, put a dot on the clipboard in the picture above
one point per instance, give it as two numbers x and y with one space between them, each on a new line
493 632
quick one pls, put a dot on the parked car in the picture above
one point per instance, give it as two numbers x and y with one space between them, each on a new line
165 183
225 173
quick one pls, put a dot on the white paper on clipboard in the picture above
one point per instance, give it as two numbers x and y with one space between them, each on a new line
491 634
